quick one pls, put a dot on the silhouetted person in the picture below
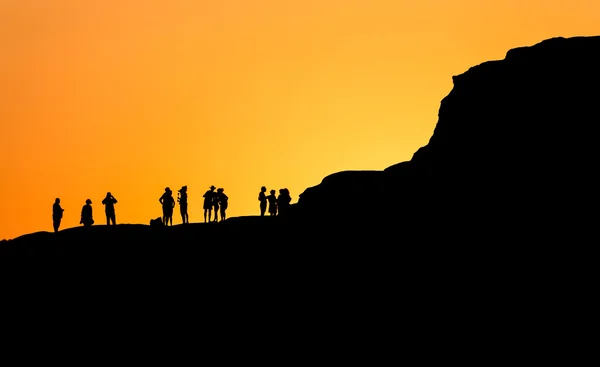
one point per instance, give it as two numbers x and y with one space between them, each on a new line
57 214
272 199
223 202
208 202
283 201
183 204
262 197
216 206
168 203
109 208
87 218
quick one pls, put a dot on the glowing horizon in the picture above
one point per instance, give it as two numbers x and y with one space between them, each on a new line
132 96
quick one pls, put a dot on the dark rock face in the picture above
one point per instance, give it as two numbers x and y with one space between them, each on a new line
514 149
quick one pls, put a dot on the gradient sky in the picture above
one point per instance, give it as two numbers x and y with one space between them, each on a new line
132 96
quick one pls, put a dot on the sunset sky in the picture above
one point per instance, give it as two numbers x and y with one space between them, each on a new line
132 96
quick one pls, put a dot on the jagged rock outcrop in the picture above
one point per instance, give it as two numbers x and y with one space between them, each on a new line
514 149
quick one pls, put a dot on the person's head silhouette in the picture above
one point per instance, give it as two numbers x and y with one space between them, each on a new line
212 187
272 191
263 189
88 201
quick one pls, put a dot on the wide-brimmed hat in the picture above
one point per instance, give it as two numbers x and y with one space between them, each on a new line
88 201
212 187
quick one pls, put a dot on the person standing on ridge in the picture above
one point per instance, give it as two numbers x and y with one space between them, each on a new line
272 199
109 208
283 201
87 218
57 214
183 204
223 202
262 197
168 203
216 206
208 202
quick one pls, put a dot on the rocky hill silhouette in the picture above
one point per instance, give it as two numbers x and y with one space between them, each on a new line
511 157
511 160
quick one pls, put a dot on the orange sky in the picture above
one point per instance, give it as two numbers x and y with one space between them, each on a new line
131 96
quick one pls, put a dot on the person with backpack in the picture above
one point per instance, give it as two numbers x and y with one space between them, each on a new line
87 218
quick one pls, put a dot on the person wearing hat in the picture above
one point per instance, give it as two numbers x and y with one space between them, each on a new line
208 203
183 204
87 219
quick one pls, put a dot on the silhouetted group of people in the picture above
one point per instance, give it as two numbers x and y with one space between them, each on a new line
87 213
277 205
168 204
217 202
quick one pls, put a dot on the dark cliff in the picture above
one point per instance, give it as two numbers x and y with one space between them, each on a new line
514 149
